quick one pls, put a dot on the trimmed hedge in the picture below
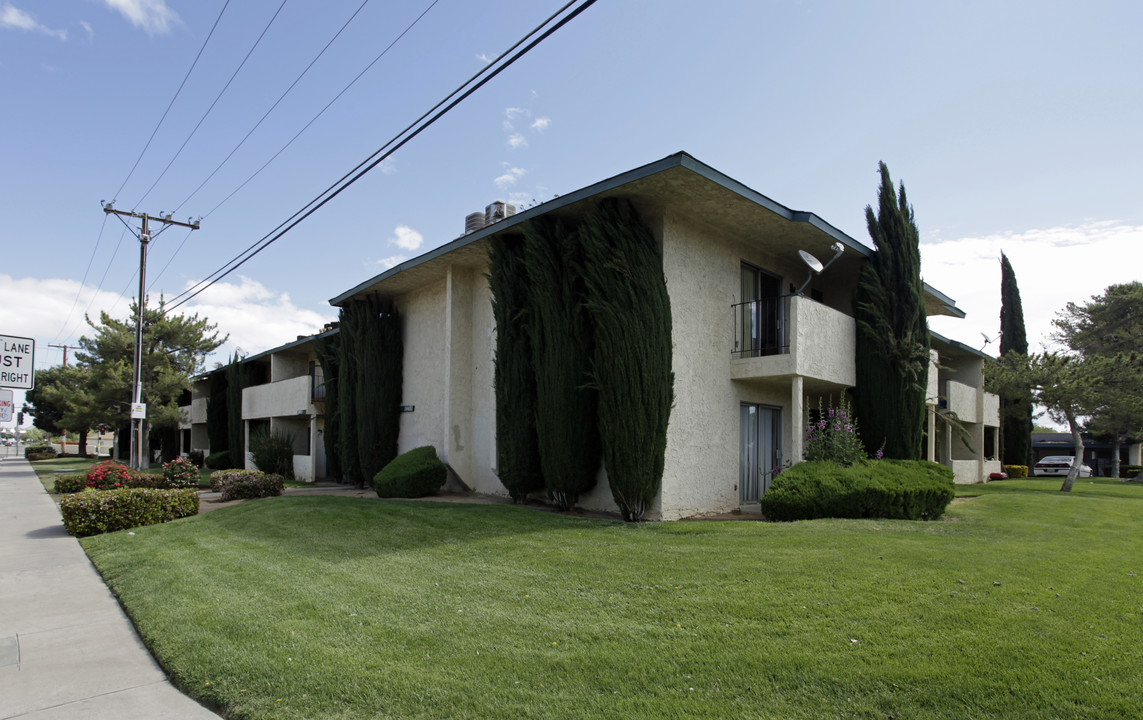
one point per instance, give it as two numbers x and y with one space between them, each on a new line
416 473
1016 471
99 511
67 484
901 489
39 452
219 460
245 484
1130 471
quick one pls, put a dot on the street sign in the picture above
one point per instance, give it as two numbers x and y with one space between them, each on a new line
17 362
138 411
7 406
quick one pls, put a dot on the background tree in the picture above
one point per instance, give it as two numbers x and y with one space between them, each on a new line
1070 387
1016 406
174 350
562 347
374 325
347 357
631 312
1109 326
64 398
892 356
517 445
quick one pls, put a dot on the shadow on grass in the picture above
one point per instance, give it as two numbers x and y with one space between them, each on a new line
341 528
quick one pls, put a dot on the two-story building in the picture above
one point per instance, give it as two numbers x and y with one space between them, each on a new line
761 331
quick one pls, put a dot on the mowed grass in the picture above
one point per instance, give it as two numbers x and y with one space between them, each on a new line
1023 603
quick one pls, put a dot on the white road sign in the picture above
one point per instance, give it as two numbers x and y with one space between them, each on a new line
17 360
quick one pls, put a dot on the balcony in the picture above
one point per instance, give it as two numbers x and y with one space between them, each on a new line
792 335
963 401
277 399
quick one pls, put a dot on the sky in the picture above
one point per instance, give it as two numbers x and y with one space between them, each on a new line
1015 127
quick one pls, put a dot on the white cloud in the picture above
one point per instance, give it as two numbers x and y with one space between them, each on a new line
153 16
13 17
87 26
516 141
541 124
484 58
1053 266
509 178
255 317
514 112
388 167
406 237
391 262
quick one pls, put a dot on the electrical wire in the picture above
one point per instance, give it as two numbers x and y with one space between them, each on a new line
382 153
83 282
172 102
216 99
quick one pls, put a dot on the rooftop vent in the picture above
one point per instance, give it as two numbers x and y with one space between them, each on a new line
495 212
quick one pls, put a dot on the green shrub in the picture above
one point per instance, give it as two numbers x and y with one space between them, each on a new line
245 484
67 484
196 457
1130 471
219 460
902 489
413 474
109 475
41 452
180 473
1016 471
273 452
99 511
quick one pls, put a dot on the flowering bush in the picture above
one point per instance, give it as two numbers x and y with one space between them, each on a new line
833 438
98 511
109 475
180 473
243 484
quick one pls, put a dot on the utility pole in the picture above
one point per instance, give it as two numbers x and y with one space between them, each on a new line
63 431
138 409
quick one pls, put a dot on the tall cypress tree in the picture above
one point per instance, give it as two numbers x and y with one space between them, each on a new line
237 378
517 446
892 355
377 338
1015 408
631 313
347 396
562 349
326 350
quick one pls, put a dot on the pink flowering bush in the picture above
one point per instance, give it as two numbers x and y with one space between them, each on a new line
180 473
833 437
109 475
92 512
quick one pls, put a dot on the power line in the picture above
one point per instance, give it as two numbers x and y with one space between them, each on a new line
322 111
216 99
382 153
172 102
79 292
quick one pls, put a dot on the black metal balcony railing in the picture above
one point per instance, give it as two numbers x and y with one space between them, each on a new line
317 389
761 327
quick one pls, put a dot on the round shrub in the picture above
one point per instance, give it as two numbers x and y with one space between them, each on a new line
219 460
109 475
39 452
196 457
1016 471
247 484
416 473
180 473
901 489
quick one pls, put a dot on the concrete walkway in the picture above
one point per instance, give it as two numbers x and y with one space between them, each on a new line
67 650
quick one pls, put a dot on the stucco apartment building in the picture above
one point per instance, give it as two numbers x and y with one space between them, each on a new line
758 338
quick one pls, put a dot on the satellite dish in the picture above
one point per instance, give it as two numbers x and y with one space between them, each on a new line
813 262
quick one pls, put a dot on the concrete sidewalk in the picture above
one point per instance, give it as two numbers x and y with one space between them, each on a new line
67 650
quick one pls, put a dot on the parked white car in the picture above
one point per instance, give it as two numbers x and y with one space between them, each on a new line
1058 465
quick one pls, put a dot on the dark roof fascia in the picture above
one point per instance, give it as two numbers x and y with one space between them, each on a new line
679 159
961 346
289 345
948 302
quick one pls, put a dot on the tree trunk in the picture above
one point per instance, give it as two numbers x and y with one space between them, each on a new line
1115 456
1077 440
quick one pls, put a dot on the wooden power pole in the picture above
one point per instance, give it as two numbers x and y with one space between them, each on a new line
138 409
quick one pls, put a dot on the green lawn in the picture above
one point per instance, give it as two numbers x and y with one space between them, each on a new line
1023 603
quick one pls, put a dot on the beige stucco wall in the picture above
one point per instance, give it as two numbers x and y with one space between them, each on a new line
285 397
991 412
196 412
286 365
962 400
423 383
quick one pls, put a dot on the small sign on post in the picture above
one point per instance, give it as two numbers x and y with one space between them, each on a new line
7 406
138 411
17 362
